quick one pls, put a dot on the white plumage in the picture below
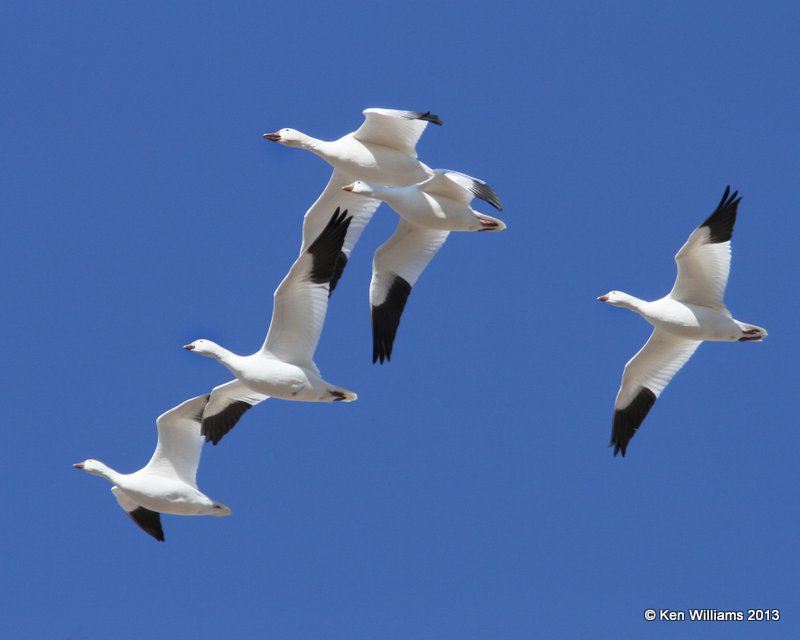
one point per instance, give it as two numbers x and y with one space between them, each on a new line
167 483
382 149
284 366
692 312
428 211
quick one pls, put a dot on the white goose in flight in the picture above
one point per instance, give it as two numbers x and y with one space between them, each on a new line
428 212
382 150
284 366
166 484
692 312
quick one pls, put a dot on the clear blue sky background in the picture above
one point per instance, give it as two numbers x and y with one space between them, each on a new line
469 492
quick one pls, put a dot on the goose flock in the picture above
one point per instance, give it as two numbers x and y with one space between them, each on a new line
378 163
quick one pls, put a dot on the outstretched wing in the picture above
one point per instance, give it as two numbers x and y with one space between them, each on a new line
177 453
396 266
394 128
227 403
643 380
704 261
301 300
358 207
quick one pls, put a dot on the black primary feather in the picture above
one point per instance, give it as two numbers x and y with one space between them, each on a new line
338 270
326 249
149 521
216 426
720 223
386 319
627 420
486 193
427 116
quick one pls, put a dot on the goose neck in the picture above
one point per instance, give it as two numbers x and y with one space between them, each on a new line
633 303
104 471
227 358
314 145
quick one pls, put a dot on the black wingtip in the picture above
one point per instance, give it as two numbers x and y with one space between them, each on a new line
149 521
628 420
386 319
381 350
427 116
215 427
486 193
721 222
327 249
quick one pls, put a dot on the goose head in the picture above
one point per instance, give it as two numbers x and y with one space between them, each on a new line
95 467
361 188
203 347
286 137
616 298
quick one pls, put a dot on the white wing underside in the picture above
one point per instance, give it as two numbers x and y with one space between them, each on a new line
654 365
405 254
179 445
318 216
703 270
390 128
298 314
228 393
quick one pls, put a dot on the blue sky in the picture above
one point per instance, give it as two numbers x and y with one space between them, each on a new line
469 492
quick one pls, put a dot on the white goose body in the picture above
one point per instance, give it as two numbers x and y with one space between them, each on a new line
692 312
164 495
168 482
284 366
368 161
691 321
265 373
441 202
423 209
